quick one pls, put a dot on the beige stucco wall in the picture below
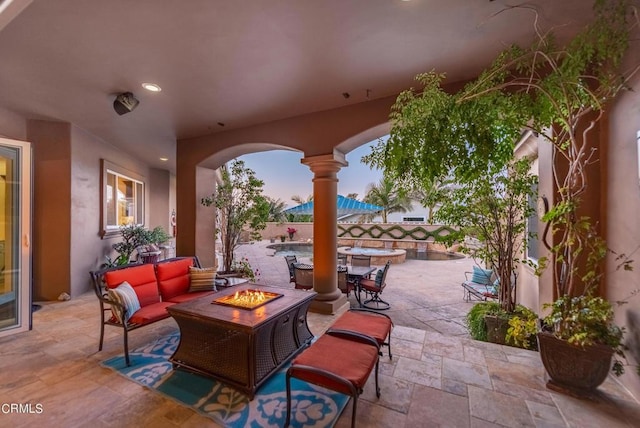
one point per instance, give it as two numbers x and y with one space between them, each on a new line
623 232
88 250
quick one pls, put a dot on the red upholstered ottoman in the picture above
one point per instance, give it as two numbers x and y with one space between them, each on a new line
339 360
367 322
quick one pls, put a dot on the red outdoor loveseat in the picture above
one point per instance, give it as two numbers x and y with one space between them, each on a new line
135 295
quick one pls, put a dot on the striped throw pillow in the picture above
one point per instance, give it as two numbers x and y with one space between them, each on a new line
202 279
127 297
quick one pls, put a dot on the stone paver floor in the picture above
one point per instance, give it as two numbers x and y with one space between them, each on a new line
438 376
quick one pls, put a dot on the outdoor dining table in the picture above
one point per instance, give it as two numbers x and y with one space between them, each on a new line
355 274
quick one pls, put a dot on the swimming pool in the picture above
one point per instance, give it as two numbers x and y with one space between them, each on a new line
379 256
303 249
300 249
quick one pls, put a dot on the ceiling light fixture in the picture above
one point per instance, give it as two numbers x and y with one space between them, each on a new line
164 159
151 87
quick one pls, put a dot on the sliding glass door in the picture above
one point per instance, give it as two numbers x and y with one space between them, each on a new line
15 236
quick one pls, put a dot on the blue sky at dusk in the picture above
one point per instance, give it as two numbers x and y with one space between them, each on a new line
284 175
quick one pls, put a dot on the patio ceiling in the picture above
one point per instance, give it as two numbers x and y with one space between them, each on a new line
229 64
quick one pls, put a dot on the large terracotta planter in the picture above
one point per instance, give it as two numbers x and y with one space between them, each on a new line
496 329
572 369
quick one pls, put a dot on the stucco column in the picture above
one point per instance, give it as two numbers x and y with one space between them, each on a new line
325 264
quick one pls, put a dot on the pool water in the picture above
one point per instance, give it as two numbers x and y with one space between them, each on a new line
306 250
298 250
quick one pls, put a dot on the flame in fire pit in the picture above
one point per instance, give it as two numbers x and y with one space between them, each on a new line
247 299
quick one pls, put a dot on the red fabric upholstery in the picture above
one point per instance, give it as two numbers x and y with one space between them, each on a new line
190 296
371 325
151 313
329 353
370 284
142 278
173 278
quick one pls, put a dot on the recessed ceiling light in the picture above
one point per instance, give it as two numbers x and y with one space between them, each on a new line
151 87
164 159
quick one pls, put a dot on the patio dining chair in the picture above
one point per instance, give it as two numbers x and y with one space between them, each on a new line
374 287
342 259
303 276
290 261
361 260
344 284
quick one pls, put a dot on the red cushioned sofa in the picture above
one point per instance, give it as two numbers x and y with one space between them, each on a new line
156 285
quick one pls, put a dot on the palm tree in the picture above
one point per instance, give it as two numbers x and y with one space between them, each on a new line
300 200
431 193
276 210
300 217
388 195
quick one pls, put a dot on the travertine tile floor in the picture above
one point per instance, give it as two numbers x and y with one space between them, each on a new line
437 377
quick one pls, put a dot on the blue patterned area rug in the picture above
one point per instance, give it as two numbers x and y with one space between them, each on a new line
312 406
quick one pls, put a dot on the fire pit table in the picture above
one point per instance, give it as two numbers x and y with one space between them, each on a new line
243 334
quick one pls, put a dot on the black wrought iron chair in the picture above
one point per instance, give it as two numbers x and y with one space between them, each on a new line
374 287
290 261
343 280
303 276
360 260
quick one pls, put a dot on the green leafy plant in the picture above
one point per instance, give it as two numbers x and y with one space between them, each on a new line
588 320
158 236
475 318
494 209
522 323
523 326
133 236
560 93
240 205
244 268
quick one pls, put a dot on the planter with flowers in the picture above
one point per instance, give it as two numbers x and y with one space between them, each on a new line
291 231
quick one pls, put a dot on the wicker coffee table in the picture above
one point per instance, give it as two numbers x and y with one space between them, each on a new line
241 347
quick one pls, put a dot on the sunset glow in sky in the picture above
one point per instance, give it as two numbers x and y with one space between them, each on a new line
284 176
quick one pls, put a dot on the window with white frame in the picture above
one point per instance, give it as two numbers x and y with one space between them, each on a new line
122 198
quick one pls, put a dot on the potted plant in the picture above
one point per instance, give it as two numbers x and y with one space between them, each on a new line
559 93
137 238
283 238
240 205
291 231
520 330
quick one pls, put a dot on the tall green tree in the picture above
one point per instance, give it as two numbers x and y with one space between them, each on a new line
494 209
388 195
240 205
